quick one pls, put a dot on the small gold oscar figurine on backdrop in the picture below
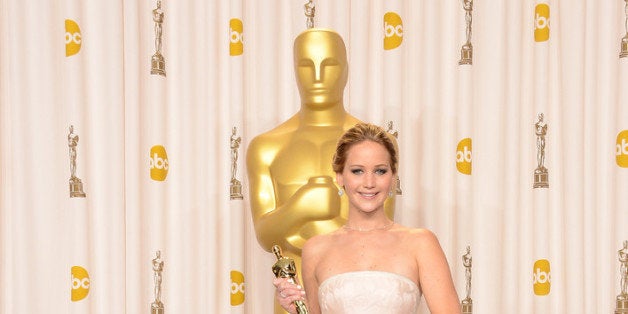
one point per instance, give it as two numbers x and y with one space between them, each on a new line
466 52
157 62
540 173
157 307
286 268
622 298
393 132
310 11
76 186
467 303
235 187
624 41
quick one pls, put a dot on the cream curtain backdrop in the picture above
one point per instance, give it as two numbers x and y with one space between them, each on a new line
123 114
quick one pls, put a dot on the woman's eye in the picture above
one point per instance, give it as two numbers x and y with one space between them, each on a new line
356 171
381 171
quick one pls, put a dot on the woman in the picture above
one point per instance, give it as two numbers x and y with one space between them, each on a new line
371 264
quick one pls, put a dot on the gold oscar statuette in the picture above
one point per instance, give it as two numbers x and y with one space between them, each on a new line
286 268
540 173
624 41
467 303
466 52
622 298
157 307
390 129
310 10
157 61
291 182
76 186
235 187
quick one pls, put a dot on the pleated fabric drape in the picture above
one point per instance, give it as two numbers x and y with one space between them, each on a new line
157 154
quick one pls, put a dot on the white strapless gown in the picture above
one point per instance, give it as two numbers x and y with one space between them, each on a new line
368 292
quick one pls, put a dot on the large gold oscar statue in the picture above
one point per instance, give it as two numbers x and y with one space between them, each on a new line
292 189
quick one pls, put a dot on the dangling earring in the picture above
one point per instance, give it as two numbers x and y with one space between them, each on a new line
340 192
390 193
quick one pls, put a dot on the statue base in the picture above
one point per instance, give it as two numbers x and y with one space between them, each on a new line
158 64
157 308
622 304
541 178
624 47
466 55
236 190
467 306
76 187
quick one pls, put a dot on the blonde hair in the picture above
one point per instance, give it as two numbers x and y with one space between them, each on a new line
359 133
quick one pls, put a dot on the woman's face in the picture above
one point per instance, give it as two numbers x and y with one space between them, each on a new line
367 176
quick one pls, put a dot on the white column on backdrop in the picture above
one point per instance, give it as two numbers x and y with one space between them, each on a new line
263 109
541 196
102 108
567 177
138 253
620 226
33 164
385 106
390 97
75 99
237 39
603 142
463 150
147 129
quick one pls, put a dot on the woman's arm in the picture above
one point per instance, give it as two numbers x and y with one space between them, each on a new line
435 276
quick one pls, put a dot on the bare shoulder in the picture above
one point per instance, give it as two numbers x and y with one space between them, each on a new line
316 245
420 236
419 240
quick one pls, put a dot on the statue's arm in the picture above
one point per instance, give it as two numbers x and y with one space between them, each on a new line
280 224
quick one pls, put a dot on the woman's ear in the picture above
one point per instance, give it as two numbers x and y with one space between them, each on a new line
339 180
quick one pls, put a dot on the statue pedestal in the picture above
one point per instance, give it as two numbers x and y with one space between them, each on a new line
622 305
541 178
157 308
76 187
158 64
467 306
235 190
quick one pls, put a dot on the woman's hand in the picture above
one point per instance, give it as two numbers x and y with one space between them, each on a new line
287 292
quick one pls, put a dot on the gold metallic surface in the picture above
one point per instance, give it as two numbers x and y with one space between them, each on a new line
540 173
157 307
76 185
466 52
622 299
310 10
293 192
157 61
624 41
467 303
235 186
285 268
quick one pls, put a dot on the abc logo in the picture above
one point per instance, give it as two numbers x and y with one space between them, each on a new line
393 30
463 156
158 162
542 277
237 287
73 38
236 37
541 22
80 283
621 152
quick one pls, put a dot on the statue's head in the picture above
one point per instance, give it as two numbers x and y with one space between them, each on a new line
320 61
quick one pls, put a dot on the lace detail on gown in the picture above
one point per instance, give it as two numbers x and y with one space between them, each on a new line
368 292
